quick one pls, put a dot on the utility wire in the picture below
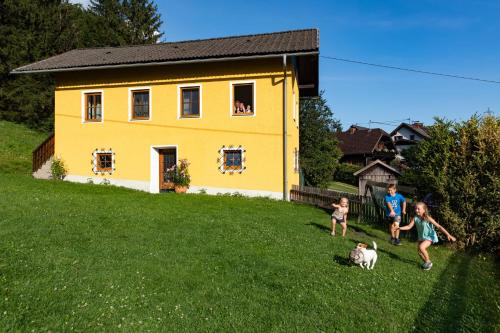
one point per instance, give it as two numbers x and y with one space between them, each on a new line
411 70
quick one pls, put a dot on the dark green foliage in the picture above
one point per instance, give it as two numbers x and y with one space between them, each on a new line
319 154
344 173
459 165
35 30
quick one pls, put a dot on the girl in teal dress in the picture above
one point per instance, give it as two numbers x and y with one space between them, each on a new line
426 232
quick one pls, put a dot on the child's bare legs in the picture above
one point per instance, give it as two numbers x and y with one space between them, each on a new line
422 250
334 222
344 228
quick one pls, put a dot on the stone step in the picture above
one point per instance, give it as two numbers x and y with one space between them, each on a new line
44 171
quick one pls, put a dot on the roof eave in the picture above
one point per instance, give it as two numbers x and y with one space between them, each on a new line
162 63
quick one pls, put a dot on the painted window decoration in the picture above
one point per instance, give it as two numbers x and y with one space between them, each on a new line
103 161
140 104
93 107
190 102
231 159
243 99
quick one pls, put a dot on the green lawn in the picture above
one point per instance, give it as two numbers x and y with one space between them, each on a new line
16 144
343 187
99 258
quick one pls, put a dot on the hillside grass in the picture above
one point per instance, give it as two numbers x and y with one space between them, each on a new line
342 187
16 144
81 257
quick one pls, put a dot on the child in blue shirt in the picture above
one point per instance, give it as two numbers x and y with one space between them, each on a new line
426 232
395 205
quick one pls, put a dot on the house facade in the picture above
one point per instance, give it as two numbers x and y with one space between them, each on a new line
230 106
407 135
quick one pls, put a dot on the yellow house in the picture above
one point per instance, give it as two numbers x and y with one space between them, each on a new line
125 115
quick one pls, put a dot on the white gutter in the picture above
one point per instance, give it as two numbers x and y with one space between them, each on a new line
285 133
161 63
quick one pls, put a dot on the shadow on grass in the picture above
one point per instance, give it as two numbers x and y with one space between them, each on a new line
390 254
341 260
454 294
319 226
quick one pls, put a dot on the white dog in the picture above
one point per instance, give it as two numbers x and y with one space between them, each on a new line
368 257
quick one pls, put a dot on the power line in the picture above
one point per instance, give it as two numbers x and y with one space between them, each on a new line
411 70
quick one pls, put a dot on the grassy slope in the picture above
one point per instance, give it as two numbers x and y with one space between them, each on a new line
90 257
343 187
16 144
93 257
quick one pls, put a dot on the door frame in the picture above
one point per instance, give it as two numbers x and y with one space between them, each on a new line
154 175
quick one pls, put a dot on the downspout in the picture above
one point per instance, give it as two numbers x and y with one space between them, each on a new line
285 133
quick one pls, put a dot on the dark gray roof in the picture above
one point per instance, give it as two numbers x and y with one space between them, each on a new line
296 41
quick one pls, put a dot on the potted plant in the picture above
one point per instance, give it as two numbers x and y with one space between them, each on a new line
181 177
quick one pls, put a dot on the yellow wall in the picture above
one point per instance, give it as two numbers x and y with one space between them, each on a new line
198 140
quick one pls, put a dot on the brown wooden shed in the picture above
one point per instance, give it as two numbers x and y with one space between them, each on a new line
376 171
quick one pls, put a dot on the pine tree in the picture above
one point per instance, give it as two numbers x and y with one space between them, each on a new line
143 22
106 23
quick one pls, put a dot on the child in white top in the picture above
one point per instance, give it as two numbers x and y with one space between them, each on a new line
340 215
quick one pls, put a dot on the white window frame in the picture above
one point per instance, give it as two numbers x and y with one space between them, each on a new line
94 161
132 89
231 99
296 160
222 152
179 89
84 105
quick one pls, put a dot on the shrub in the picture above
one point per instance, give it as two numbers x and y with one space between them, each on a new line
180 175
344 173
58 169
459 165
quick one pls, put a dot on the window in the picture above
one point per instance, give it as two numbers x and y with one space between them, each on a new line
103 161
190 102
233 160
93 106
243 99
412 136
140 104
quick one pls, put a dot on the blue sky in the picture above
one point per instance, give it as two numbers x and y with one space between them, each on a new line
448 36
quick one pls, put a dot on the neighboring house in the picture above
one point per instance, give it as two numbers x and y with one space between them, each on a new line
125 115
361 145
406 135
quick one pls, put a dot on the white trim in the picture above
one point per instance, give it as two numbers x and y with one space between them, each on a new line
248 193
94 161
231 103
232 148
83 106
130 90
140 185
154 181
191 85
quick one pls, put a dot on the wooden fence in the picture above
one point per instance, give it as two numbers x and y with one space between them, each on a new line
363 208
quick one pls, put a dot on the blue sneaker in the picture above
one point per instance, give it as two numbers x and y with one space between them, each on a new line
427 266
397 241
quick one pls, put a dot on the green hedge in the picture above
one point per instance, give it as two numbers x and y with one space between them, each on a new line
344 173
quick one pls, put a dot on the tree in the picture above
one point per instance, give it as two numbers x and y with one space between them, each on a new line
143 22
319 154
458 165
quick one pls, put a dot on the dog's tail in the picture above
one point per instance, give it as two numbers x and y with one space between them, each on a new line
374 245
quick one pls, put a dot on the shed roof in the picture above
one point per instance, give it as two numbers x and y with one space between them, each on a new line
376 163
